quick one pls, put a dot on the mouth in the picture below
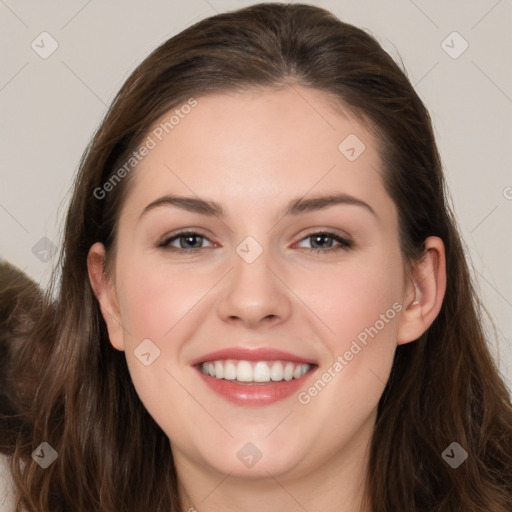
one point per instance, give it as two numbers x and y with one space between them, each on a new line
254 372
254 377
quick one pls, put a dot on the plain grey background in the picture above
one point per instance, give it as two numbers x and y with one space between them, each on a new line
457 55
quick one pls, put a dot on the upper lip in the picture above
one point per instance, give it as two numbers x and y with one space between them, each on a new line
252 354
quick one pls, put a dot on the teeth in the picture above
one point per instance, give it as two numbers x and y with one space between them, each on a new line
229 371
276 372
288 371
244 372
219 370
260 371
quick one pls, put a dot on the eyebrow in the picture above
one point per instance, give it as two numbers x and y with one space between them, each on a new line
296 206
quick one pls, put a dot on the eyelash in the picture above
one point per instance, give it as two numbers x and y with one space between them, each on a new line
344 243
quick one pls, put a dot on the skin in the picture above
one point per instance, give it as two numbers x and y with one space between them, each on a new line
253 152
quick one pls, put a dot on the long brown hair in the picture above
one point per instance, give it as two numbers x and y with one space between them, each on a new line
444 387
21 304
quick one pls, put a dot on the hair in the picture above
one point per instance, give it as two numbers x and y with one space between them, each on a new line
444 387
21 303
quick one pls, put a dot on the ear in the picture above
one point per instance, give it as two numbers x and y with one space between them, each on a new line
424 294
104 290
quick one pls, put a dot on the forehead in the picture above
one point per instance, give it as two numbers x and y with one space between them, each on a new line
259 148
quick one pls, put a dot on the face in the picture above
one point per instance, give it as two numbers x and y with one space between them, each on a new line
292 301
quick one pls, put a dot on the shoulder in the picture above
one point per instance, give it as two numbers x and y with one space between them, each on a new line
6 485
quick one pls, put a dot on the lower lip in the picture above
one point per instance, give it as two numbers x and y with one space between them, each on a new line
257 393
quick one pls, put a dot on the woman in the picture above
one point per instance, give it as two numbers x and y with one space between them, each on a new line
259 368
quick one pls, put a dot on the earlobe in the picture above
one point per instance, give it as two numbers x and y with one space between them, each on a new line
105 293
424 298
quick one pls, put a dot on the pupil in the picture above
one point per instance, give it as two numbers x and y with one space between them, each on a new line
319 237
188 238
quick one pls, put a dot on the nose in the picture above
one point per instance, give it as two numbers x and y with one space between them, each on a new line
255 293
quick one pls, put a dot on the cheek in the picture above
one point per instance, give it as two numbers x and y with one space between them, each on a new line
356 296
360 304
157 303
362 311
153 299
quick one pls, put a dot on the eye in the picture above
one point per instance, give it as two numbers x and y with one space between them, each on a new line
188 242
319 240
191 242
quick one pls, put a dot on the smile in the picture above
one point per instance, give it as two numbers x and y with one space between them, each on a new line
255 383
249 376
255 371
